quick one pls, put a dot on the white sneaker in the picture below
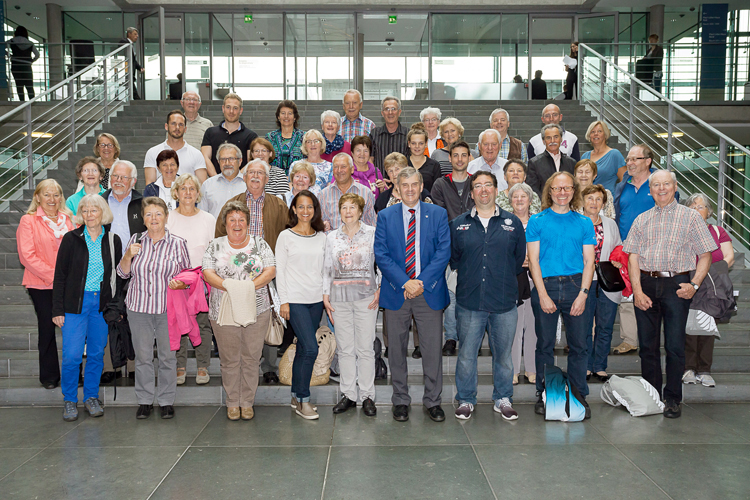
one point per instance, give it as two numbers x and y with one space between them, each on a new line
689 377
464 411
706 379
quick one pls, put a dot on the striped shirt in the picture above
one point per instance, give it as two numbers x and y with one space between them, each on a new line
385 143
669 238
152 269
278 183
352 128
195 131
329 203
255 224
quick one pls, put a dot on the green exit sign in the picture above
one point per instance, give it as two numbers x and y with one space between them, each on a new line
392 19
248 18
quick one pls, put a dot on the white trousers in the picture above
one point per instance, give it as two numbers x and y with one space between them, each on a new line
354 326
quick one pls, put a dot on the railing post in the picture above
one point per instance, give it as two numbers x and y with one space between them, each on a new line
130 73
602 78
722 180
579 74
633 88
29 146
105 97
670 141
72 114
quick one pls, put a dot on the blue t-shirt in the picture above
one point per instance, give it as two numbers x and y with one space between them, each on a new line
561 238
633 202
606 168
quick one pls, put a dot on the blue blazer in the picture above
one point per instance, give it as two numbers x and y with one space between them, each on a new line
435 253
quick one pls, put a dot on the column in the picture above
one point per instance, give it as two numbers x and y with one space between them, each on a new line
54 38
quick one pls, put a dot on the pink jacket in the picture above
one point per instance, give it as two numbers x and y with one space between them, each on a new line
183 306
37 250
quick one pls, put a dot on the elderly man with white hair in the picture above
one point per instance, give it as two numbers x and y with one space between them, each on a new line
330 123
569 144
196 125
353 123
343 168
490 159
124 201
430 117
217 190
510 147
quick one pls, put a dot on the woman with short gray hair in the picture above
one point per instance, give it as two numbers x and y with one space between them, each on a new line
430 117
330 123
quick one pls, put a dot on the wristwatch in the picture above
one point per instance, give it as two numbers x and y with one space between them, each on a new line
585 290
695 287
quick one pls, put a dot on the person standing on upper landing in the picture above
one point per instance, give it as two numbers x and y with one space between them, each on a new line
538 86
551 160
391 137
131 36
412 249
353 123
569 145
23 54
230 130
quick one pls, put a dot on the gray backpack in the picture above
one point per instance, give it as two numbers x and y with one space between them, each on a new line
638 396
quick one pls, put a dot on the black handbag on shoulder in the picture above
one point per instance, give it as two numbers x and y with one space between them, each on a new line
609 277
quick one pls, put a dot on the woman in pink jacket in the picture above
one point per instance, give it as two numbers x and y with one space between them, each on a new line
38 237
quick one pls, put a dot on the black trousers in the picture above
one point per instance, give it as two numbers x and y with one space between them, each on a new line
23 77
571 81
49 364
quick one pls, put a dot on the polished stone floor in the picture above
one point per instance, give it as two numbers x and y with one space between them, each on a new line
201 455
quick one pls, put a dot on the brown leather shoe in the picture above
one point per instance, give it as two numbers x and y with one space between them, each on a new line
247 413
233 412
623 348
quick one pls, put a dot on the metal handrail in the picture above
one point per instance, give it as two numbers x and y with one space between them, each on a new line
690 147
80 107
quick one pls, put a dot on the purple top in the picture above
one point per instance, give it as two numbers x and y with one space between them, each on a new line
369 178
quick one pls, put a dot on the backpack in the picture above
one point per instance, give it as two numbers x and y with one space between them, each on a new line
562 401
634 393
381 369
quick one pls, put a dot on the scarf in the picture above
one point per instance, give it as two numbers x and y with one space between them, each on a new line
335 145
59 228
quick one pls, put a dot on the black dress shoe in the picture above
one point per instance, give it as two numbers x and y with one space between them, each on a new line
588 377
672 409
600 378
167 411
144 411
49 385
270 378
436 413
385 354
344 405
586 415
401 413
539 406
417 354
107 378
368 407
449 349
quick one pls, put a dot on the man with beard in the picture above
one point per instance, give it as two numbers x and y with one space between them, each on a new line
191 160
549 161
219 189
230 130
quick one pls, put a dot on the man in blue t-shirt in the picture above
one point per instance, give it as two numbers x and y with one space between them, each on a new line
560 245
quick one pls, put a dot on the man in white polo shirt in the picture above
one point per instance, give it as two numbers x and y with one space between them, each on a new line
191 160
569 144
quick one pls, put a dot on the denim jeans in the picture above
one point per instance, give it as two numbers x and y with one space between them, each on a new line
667 306
305 319
449 319
88 330
563 290
602 310
471 326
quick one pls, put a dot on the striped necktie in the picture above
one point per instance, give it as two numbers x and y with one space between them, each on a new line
411 234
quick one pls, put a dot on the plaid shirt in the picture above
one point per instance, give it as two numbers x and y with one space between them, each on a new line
329 204
505 150
255 226
351 129
669 238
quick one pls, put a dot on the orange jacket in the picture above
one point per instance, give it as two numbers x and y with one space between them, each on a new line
37 250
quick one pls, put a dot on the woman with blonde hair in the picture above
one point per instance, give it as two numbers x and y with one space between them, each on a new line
38 237
607 160
312 147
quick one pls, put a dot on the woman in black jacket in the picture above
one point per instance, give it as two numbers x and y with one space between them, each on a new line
85 283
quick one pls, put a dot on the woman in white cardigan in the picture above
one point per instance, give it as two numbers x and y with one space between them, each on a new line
601 306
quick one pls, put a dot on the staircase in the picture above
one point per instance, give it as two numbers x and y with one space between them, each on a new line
140 126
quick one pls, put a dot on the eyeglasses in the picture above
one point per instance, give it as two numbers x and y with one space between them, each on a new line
556 189
430 120
190 100
698 207
106 146
634 159
231 159
390 110
256 173
313 141
90 171
120 177
260 151
552 115
487 185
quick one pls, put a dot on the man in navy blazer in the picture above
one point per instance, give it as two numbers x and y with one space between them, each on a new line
414 285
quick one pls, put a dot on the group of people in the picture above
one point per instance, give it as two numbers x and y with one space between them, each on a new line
326 227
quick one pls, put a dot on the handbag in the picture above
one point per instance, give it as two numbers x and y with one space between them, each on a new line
321 368
609 277
275 332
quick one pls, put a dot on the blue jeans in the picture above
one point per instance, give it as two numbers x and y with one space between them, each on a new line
449 319
563 290
86 329
305 319
471 327
602 310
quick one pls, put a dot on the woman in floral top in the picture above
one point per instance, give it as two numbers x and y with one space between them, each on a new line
239 256
515 173
351 292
